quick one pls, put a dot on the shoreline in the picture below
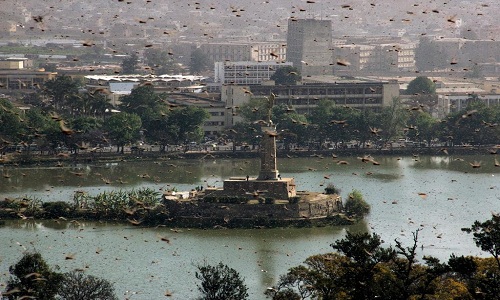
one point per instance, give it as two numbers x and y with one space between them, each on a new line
81 157
185 222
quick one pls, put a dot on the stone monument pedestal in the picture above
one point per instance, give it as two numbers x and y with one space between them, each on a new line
253 188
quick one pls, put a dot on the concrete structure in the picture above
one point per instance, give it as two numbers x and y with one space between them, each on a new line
246 72
466 54
309 43
16 75
256 51
227 51
355 92
374 58
117 86
24 80
269 182
456 99
269 51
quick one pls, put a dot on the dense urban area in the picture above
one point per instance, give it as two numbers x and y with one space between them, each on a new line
134 78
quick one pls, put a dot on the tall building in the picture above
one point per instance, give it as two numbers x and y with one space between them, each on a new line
309 43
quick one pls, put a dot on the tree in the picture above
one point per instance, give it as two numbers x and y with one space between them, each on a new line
421 126
364 252
186 124
76 286
129 64
32 277
161 62
61 89
199 61
355 205
476 124
487 236
392 120
220 282
421 85
124 128
142 101
12 128
286 75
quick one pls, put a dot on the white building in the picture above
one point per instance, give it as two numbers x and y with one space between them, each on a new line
246 72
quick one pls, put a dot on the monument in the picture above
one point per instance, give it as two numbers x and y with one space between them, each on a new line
269 183
266 200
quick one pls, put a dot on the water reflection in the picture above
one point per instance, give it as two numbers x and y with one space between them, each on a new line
457 195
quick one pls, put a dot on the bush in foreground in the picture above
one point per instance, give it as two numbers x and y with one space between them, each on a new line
32 278
220 282
76 285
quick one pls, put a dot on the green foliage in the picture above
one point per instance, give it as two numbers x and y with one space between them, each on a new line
142 101
421 85
32 276
487 236
124 128
129 64
61 90
331 189
422 126
355 205
116 203
77 286
392 120
220 282
286 75
187 122
56 209
476 124
161 62
199 61
363 269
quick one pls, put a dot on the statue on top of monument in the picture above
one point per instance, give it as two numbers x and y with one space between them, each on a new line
270 104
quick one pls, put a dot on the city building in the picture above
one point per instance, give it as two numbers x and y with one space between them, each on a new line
374 58
356 92
309 43
16 74
269 51
246 72
227 51
116 86
255 51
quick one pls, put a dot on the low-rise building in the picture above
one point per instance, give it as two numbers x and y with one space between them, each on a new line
16 75
353 92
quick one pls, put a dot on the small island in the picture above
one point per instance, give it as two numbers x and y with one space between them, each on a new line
267 200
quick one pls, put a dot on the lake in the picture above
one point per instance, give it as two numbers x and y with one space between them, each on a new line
144 267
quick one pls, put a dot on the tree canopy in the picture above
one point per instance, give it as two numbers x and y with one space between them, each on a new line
421 85
286 75
130 64
32 276
220 282
199 61
124 128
